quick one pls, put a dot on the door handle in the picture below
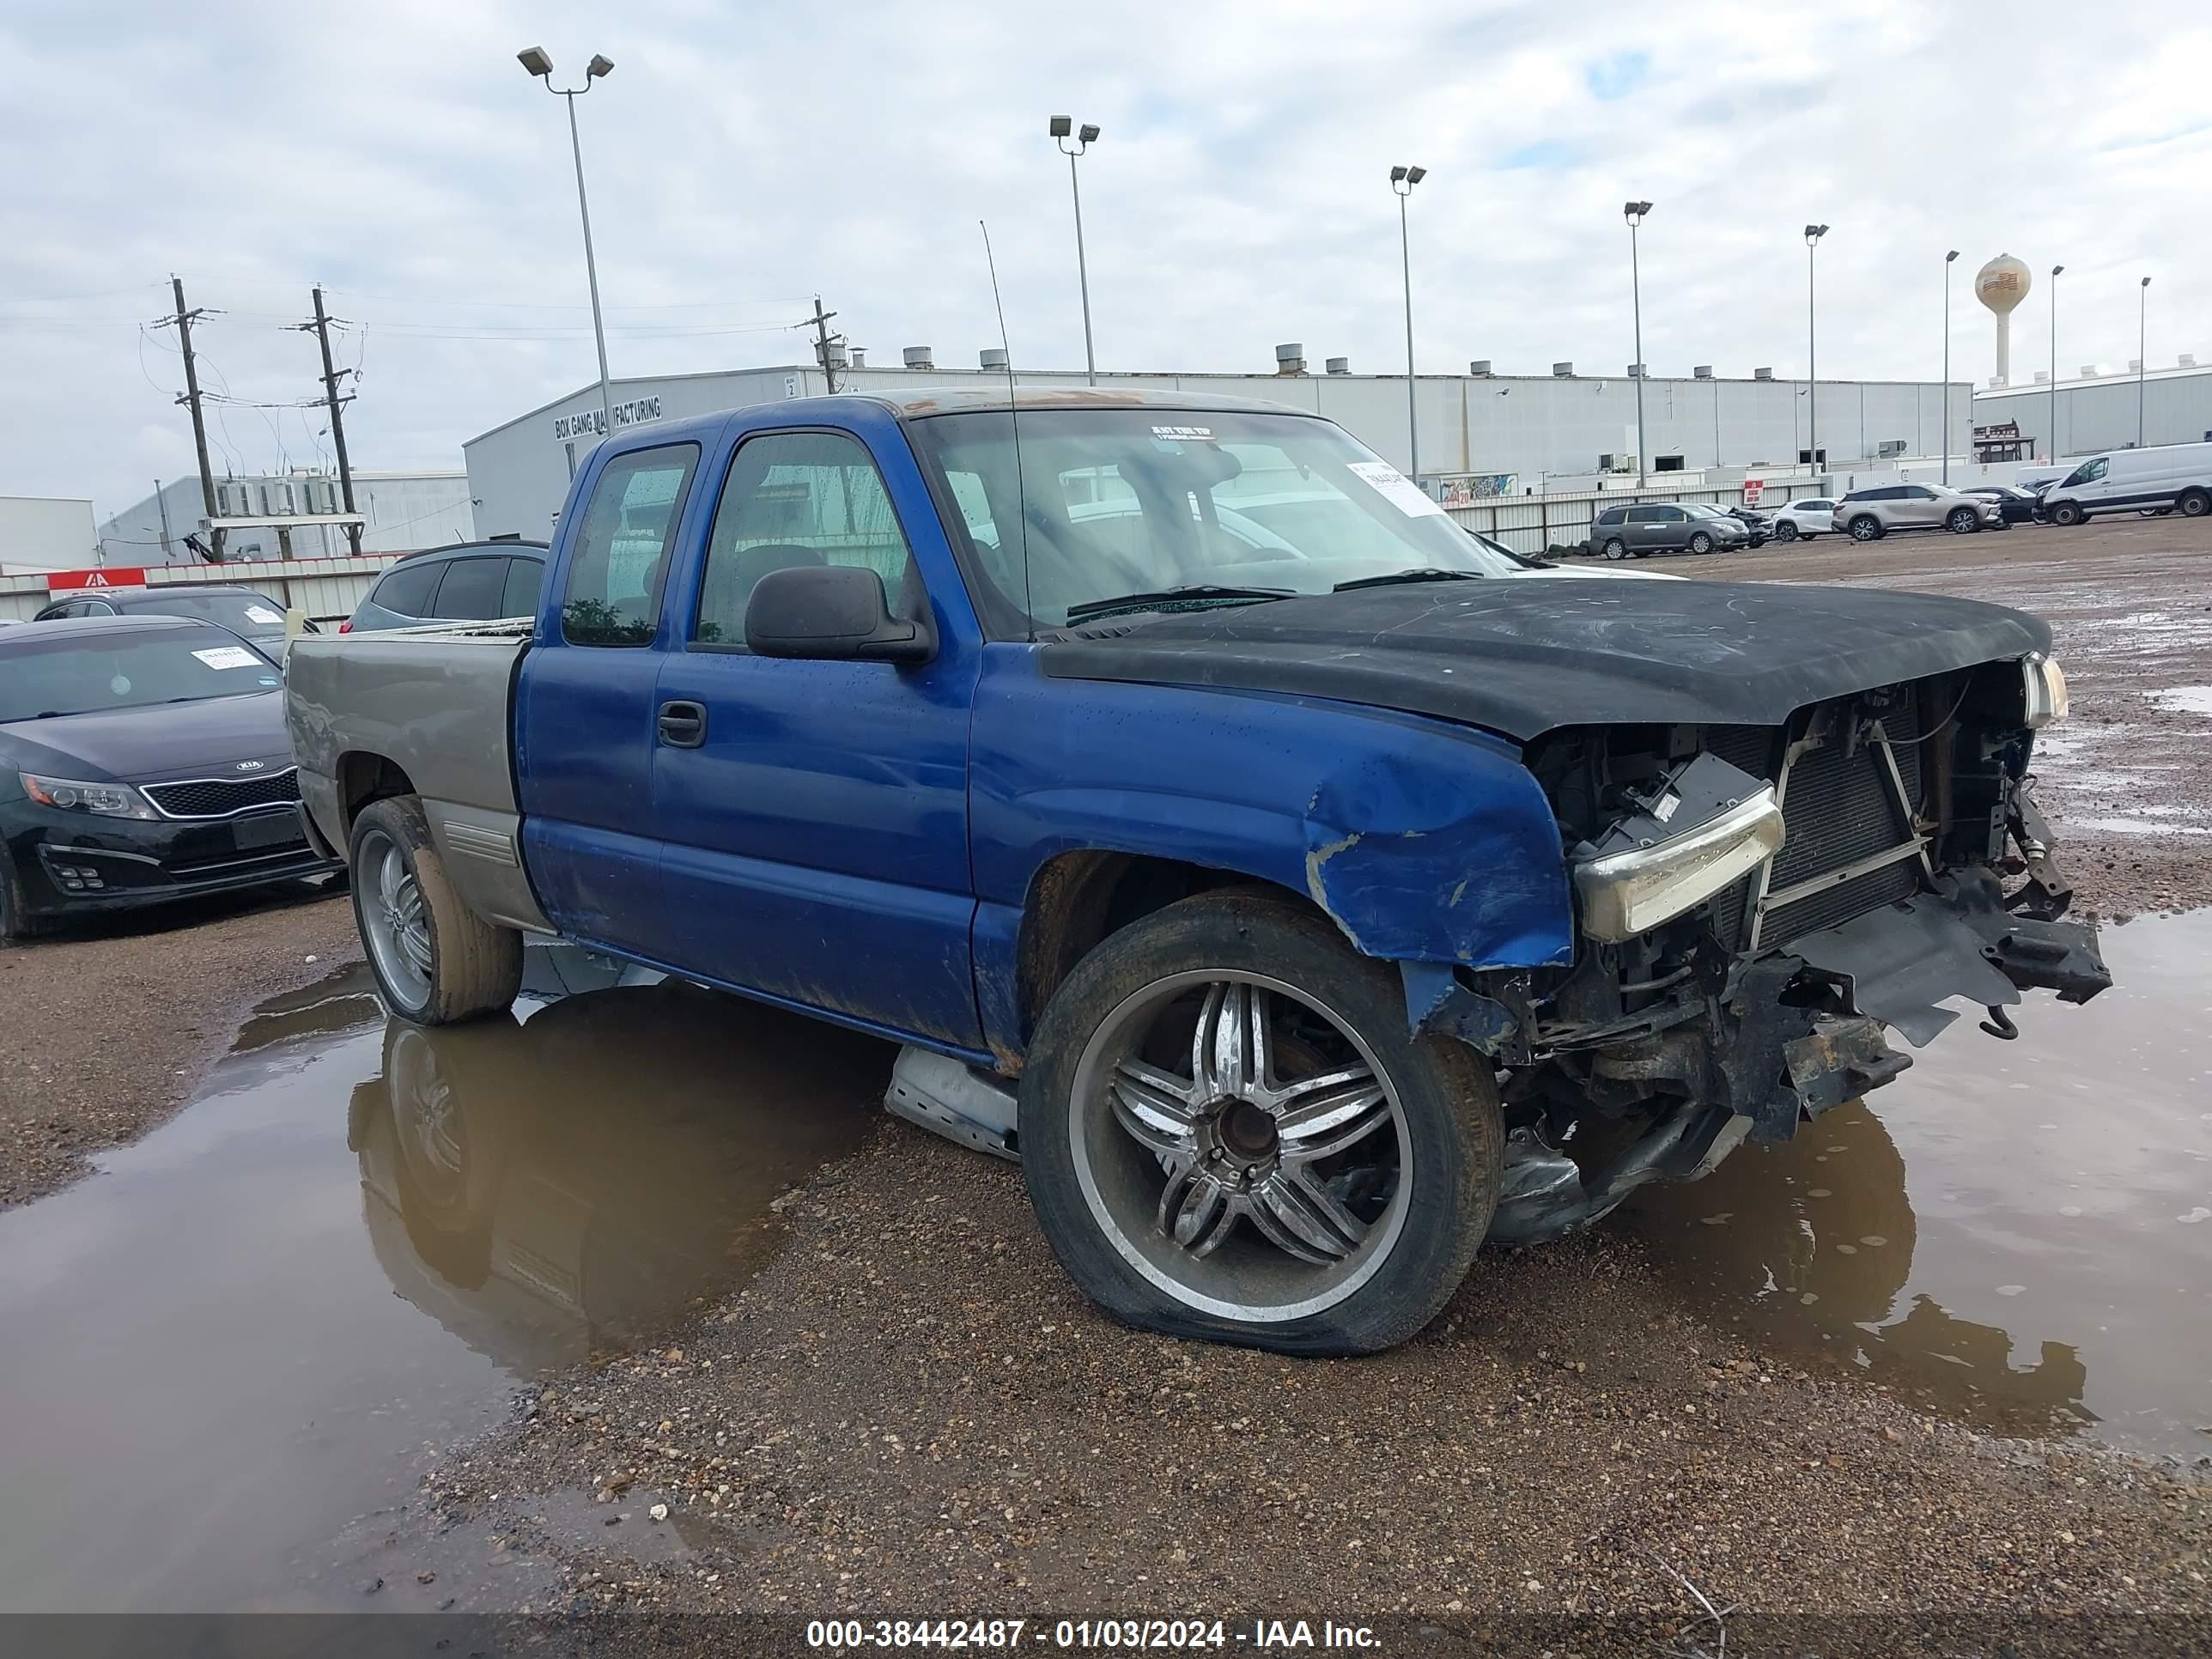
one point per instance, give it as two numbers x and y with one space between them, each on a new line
682 724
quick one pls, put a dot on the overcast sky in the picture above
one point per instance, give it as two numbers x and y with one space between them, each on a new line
745 157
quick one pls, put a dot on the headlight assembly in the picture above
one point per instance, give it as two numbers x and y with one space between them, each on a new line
2045 688
107 800
1710 826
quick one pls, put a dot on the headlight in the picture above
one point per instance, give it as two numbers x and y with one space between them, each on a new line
1632 892
109 800
2046 689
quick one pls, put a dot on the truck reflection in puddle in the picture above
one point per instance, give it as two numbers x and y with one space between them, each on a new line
2012 1230
550 1187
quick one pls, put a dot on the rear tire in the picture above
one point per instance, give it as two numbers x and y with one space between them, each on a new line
1324 1238
2067 513
1865 528
436 962
2194 503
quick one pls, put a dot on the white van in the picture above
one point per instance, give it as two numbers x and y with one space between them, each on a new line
2179 475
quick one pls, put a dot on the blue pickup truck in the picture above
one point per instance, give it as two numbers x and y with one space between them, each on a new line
1303 889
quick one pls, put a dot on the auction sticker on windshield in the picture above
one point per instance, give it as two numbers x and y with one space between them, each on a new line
263 614
229 656
1395 487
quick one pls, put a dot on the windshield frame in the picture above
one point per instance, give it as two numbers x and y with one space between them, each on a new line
1004 616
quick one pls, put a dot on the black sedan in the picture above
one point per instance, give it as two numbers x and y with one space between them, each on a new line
141 758
256 616
2018 505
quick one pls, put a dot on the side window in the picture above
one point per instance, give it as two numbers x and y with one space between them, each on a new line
524 577
794 499
2090 471
406 588
1669 514
1613 515
470 590
621 555
1920 493
1643 515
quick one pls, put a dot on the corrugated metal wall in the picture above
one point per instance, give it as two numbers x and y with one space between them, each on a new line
326 589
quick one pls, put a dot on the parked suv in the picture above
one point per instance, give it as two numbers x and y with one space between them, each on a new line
1868 515
472 582
1663 527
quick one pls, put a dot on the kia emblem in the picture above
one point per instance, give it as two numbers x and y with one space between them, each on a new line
249 766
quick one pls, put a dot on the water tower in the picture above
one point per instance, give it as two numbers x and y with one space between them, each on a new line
2000 285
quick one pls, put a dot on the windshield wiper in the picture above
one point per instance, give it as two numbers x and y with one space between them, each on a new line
1426 574
1169 595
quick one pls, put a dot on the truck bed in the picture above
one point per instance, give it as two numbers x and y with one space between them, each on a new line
435 703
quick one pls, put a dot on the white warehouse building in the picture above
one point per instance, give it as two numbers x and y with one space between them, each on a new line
404 511
1493 433
2096 412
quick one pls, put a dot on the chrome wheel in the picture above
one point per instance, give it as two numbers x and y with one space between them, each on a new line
393 918
1239 1145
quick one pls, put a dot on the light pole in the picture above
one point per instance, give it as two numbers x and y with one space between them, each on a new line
2055 269
1813 235
1084 137
2143 356
1402 180
539 64
1634 212
1949 260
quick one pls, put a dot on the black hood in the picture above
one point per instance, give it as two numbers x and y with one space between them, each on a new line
201 739
1524 656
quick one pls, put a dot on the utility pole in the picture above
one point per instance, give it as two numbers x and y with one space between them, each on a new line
191 399
321 329
823 337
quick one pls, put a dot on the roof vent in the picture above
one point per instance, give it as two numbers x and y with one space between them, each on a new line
2186 362
1563 371
859 356
1340 365
2043 377
1762 374
1703 371
1291 359
920 357
2088 371
994 357
2134 364
1479 368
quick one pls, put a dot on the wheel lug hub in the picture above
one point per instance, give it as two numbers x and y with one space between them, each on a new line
1247 1131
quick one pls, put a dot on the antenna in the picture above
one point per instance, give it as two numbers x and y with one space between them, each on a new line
1014 420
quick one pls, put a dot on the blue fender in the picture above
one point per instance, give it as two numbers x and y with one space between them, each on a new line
1426 842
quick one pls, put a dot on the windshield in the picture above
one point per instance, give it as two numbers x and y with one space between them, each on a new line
1142 500
1702 510
242 613
44 672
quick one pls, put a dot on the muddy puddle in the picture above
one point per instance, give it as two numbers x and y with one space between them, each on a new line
233 1350
2018 1233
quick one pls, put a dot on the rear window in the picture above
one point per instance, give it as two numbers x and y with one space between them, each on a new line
615 571
42 675
406 588
1613 515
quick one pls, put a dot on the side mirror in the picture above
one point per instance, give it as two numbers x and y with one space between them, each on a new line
832 613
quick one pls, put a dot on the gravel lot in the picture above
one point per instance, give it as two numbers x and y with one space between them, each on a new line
910 1412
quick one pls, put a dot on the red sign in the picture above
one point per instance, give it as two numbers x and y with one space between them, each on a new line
112 575
1752 487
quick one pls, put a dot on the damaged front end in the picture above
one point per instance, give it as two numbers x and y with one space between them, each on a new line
1760 906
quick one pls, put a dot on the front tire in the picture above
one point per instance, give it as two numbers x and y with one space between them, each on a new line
1701 542
15 924
2066 512
1785 532
2193 503
1963 520
1227 1133
436 962
1866 528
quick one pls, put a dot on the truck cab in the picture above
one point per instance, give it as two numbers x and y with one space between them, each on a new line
1300 906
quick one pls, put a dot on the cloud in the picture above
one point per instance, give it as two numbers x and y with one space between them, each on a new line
743 158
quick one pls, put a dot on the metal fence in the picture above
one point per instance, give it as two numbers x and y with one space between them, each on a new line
1534 524
326 589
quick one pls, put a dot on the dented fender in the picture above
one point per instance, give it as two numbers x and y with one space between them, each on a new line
1424 840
